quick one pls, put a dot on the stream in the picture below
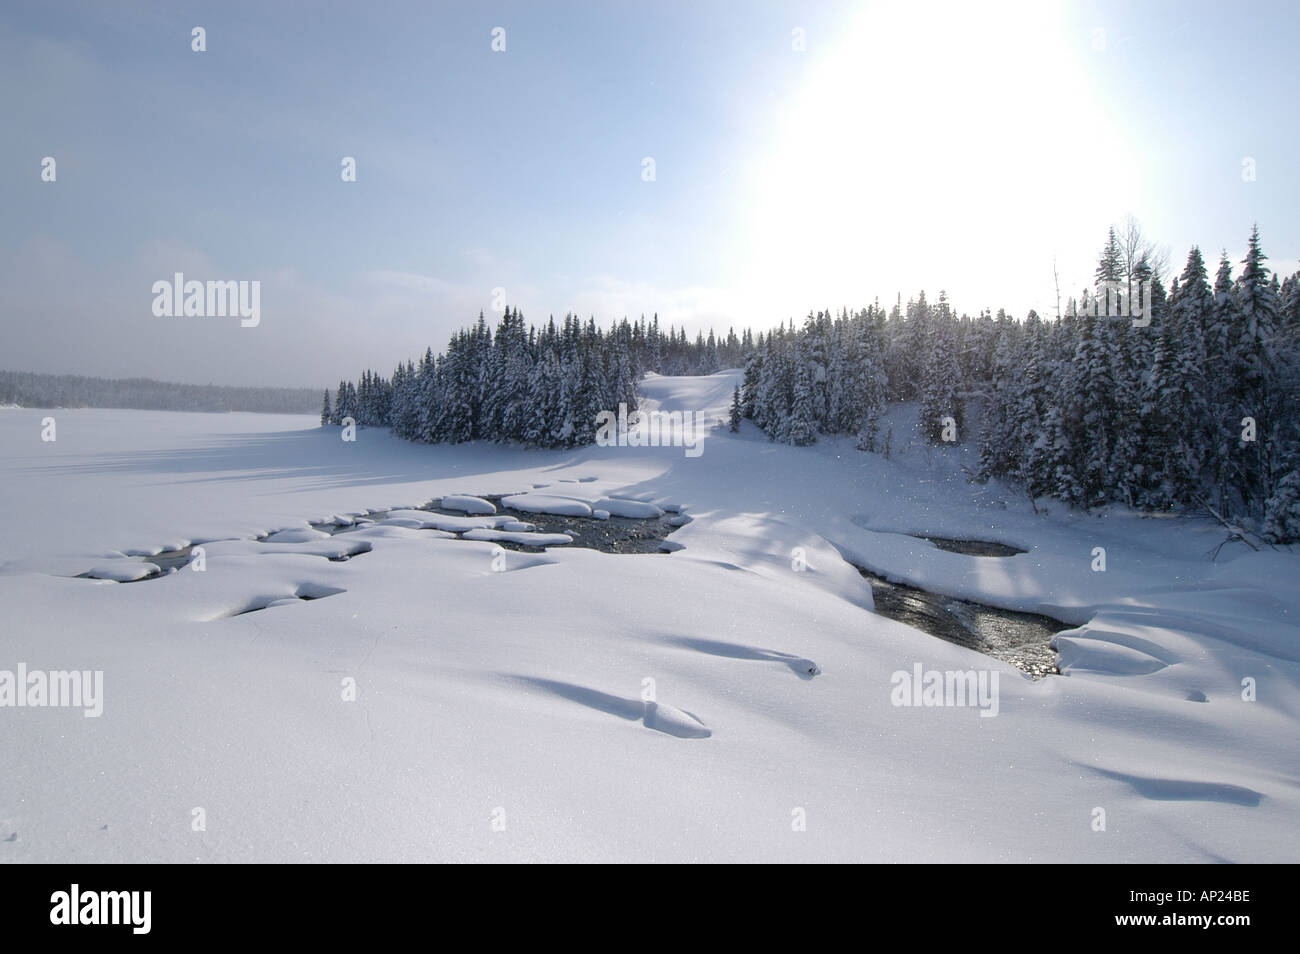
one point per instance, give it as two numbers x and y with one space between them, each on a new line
1020 639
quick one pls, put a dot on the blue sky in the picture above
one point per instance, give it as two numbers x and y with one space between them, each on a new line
908 146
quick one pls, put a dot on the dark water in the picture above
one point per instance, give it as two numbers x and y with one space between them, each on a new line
986 548
615 535
1020 639
165 561
172 559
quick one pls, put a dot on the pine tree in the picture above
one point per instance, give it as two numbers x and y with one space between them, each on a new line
1255 362
735 410
1182 428
325 414
868 384
1000 452
1031 458
1282 511
803 420
1110 269
939 381
753 373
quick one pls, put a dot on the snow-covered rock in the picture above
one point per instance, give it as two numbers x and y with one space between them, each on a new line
468 504
548 503
620 507
523 538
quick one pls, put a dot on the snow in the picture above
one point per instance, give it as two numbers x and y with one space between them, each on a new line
628 508
614 707
424 519
297 535
548 503
468 504
522 537
122 571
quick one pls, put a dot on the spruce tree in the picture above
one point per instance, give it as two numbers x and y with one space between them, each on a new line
802 429
1255 363
939 381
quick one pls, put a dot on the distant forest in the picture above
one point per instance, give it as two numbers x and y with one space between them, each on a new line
70 390
1191 408
540 386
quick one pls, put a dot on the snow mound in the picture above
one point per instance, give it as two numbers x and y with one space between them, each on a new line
624 507
123 571
546 503
523 538
1076 653
296 535
677 722
468 504
336 520
425 520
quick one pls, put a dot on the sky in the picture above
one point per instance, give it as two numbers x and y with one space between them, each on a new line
805 156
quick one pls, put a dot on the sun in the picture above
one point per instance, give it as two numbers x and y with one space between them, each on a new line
928 145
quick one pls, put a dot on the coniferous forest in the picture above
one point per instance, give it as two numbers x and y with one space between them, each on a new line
536 386
28 389
1192 409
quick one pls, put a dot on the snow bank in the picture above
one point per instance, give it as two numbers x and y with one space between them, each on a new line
470 505
296 535
123 571
424 519
523 538
547 503
627 508
488 680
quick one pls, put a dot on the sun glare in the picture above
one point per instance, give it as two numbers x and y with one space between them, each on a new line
919 147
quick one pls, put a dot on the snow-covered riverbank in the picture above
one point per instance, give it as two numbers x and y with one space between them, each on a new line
500 706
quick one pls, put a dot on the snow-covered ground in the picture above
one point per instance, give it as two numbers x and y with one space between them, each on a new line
500 705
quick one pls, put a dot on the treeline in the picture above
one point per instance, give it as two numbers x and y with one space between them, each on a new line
1182 399
674 354
539 386
66 390
536 386
1185 400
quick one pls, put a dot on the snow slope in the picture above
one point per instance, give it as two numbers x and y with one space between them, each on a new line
501 708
